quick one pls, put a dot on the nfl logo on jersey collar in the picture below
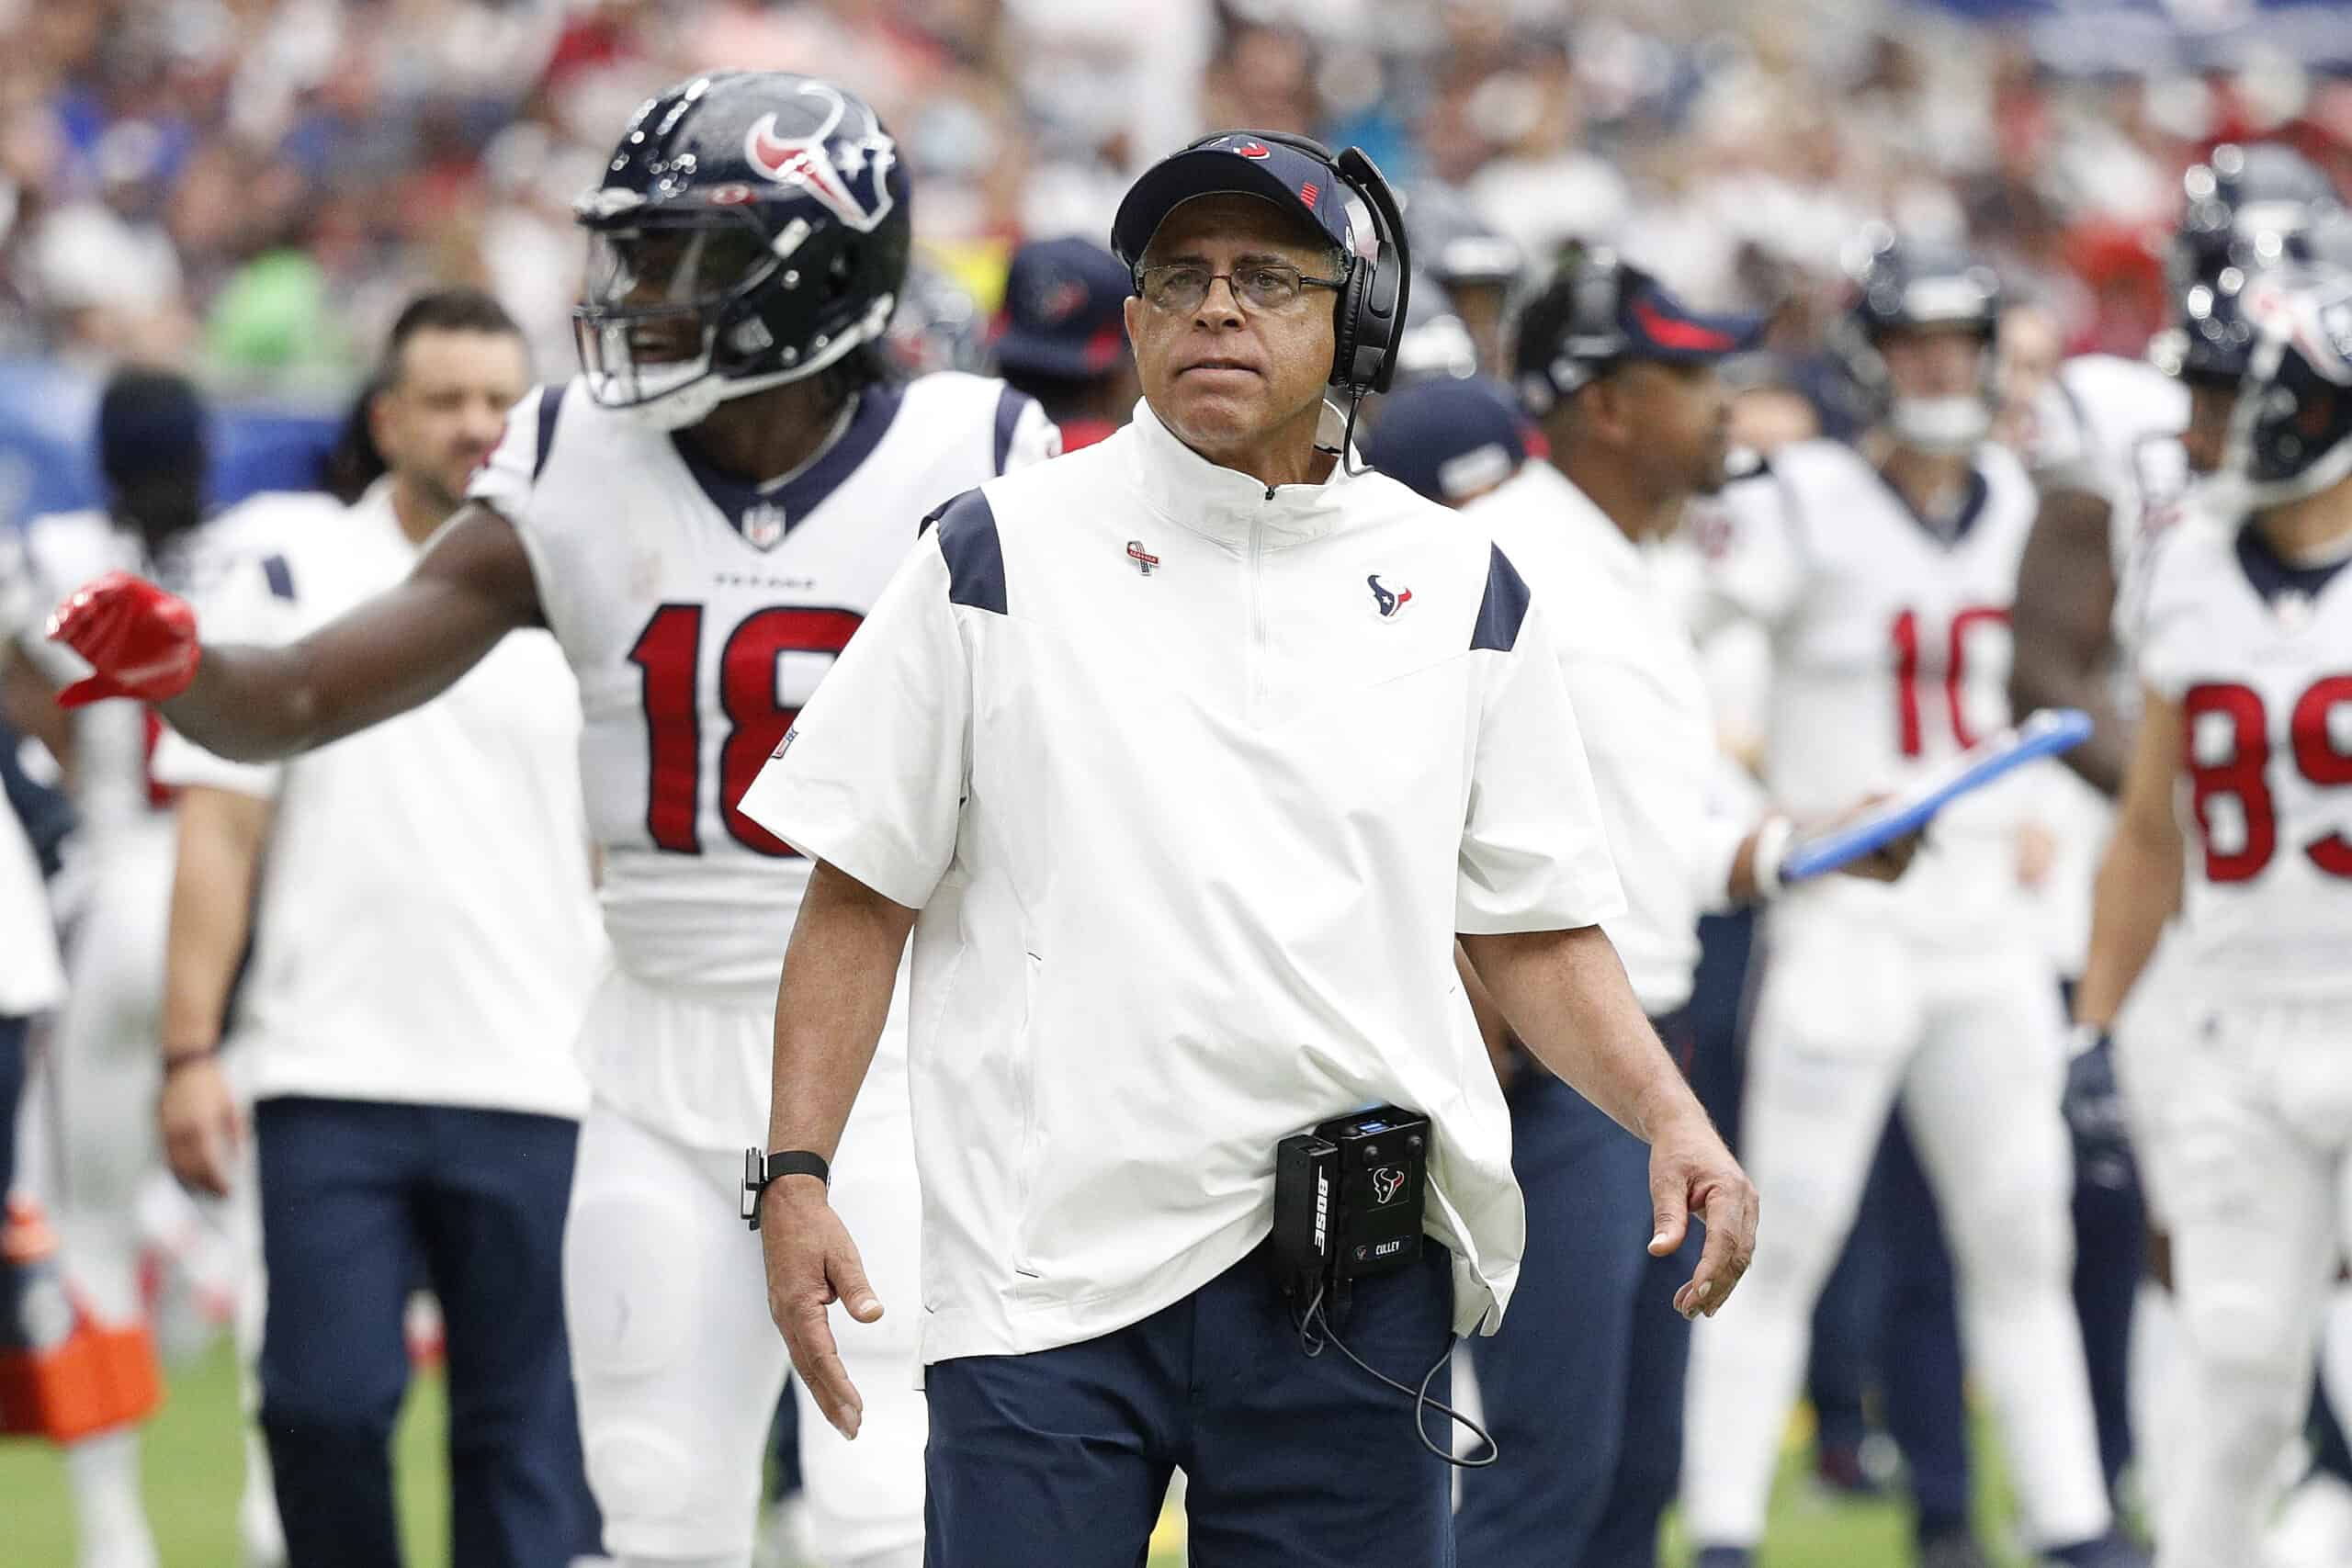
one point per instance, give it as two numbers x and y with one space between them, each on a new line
764 525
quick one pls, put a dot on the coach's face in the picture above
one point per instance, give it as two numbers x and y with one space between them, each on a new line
1231 379
446 407
1672 422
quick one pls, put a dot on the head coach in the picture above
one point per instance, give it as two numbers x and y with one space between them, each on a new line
1185 759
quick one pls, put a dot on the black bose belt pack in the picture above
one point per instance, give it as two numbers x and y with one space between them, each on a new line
1348 1199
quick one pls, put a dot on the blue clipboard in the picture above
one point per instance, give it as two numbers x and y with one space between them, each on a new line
2045 733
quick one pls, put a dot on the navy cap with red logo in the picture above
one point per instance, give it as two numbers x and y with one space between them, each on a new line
1240 162
1597 312
1449 439
1062 316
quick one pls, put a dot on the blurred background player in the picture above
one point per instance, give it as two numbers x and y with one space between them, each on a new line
2116 444
153 448
1583 1388
1062 341
2243 652
32 982
416 1103
1476 268
1884 575
701 518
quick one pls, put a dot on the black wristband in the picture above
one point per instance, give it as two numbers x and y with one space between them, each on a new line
761 1171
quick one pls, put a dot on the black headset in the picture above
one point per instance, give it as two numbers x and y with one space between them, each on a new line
1369 319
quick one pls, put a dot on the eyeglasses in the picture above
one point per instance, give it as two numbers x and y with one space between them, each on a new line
1181 288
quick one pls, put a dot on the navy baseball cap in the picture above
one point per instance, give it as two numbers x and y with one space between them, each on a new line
1244 162
1448 439
1062 316
1598 311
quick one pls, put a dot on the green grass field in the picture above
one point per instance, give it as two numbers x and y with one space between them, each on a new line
194 1464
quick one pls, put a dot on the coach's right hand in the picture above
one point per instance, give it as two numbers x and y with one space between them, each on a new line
812 1263
202 1126
140 639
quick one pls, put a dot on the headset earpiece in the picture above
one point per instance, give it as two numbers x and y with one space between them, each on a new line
1382 284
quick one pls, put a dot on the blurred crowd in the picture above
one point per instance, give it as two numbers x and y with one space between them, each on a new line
249 187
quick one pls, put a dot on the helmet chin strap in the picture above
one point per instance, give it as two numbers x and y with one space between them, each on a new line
1943 426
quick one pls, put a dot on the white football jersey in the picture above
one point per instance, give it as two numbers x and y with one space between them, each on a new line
1889 646
2258 655
2112 425
699 614
113 741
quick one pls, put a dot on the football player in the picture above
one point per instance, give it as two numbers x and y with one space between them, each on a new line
2115 444
1884 575
702 517
2245 660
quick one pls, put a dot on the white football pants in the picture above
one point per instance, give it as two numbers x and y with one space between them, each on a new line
105 1056
1855 1016
2258 1134
678 1367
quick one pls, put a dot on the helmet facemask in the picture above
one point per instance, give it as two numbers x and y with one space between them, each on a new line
2290 432
659 290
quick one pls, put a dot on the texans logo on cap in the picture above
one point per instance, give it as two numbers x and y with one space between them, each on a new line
1254 150
1058 300
1667 333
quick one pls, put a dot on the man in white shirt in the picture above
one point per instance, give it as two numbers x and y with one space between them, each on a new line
1185 759
1582 1387
427 939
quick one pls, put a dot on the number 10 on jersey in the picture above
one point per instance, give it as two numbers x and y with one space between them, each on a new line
751 702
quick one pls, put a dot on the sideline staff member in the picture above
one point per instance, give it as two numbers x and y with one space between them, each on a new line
1582 1387
427 939
1186 757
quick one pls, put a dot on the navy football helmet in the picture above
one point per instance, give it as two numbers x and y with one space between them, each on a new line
1900 285
2290 434
752 229
2248 208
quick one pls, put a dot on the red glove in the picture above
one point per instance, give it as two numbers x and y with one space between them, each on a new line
141 640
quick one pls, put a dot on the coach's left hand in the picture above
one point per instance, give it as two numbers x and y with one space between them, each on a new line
812 1263
1692 1172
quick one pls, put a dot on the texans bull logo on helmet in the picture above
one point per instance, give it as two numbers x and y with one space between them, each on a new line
849 174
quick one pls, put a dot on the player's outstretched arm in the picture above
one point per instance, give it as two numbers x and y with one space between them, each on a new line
2139 878
402 647
2062 618
1566 996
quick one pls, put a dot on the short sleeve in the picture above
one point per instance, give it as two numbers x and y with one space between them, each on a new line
1023 434
1752 566
2060 451
1534 853
511 472
871 776
253 601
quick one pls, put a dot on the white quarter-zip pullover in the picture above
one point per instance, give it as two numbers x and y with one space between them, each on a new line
1193 781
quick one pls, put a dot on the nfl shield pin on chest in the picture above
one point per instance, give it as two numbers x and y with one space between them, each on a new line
764 525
